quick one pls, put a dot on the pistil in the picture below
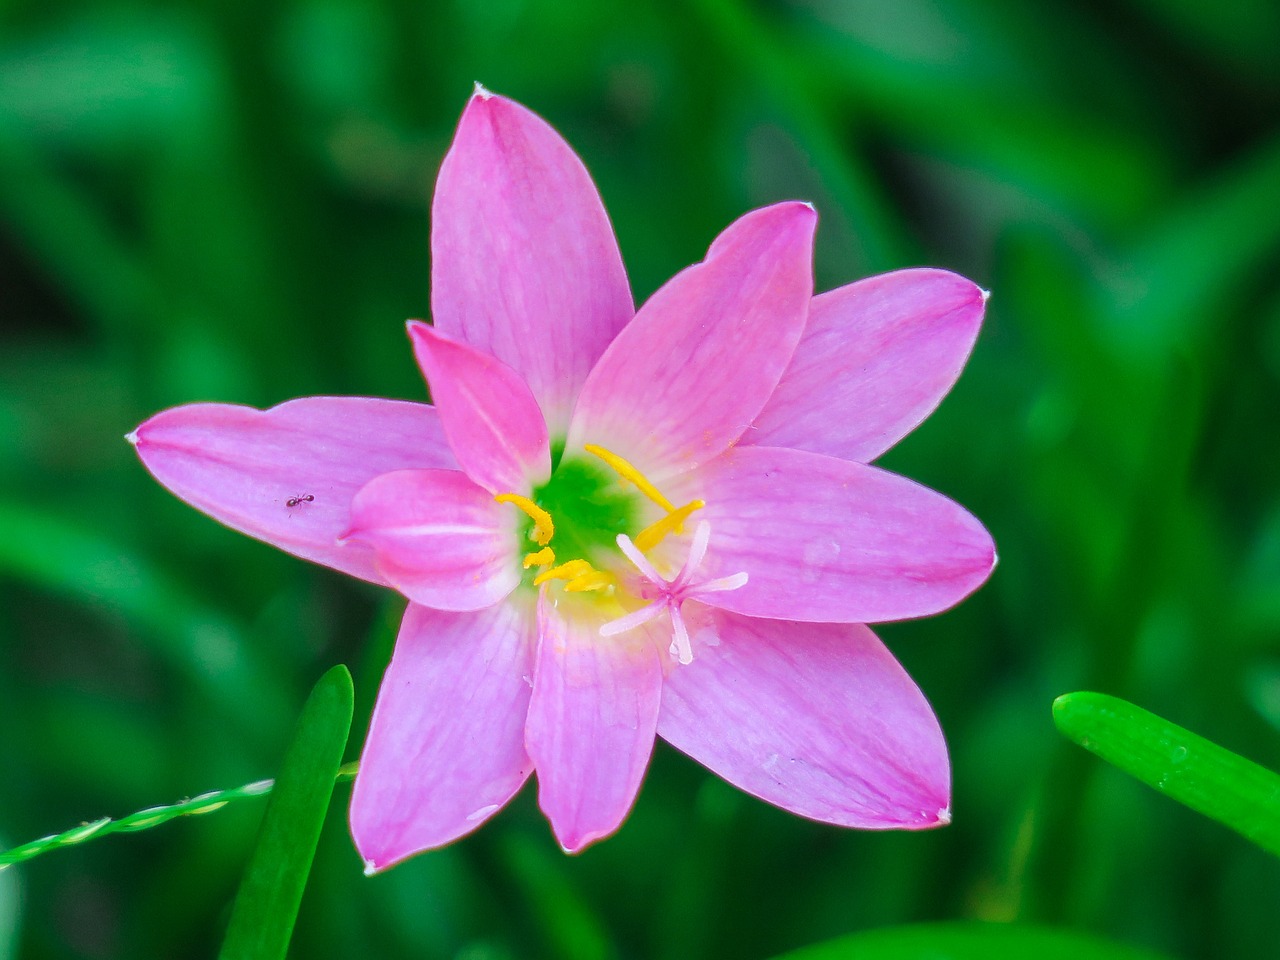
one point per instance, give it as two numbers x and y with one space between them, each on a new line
671 594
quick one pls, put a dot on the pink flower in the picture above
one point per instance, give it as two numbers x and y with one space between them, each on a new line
615 524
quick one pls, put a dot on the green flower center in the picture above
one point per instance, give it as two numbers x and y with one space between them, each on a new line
576 516
589 508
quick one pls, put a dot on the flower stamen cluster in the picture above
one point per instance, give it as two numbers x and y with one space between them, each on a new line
579 574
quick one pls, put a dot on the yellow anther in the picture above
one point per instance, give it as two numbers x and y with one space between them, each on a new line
595 580
580 574
673 522
543 526
539 559
566 571
628 472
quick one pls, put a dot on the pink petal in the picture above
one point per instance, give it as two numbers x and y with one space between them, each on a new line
524 264
243 466
877 357
591 722
828 539
493 423
818 719
445 749
439 539
693 370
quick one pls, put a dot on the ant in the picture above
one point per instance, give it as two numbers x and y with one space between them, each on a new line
295 501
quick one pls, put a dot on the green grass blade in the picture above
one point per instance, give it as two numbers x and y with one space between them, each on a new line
271 892
969 941
10 915
1202 775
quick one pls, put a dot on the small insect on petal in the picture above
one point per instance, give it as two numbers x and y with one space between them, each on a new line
296 501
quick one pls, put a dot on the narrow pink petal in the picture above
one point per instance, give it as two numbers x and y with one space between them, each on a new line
828 539
524 264
438 538
243 466
818 719
445 749
877 357
492 421
693 370
591 721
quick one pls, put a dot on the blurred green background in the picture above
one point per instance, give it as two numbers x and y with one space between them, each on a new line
229 201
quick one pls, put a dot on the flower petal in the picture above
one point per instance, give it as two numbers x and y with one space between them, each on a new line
693 370
439 539
445 749
877 357
828 539
591 721
524 264
243 466
818 719
492 421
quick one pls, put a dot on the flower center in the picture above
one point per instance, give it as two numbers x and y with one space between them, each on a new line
576 517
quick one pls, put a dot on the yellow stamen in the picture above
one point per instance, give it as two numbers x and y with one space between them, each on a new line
628 472
595 580
543 526
673 522
580 574
539 559
566 571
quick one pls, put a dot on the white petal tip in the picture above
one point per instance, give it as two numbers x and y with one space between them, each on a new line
986 294
370 868
806 203
481 91
944 817
132 437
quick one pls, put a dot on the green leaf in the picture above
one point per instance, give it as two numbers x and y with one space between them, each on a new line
267 904
969 941
10 914
1190 769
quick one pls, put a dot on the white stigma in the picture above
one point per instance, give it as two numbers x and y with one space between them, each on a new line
671 594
